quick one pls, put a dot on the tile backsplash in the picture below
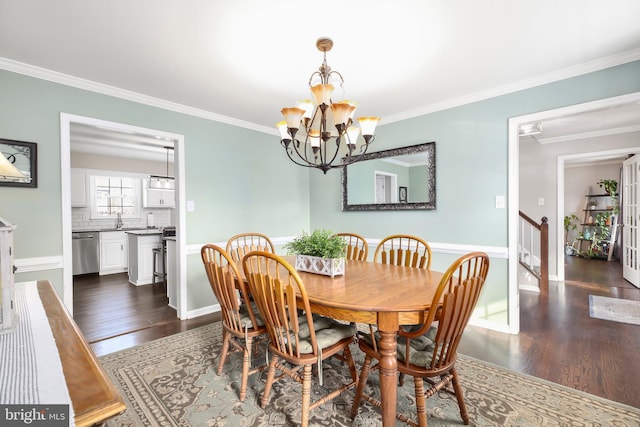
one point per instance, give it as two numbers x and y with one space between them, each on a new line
81 219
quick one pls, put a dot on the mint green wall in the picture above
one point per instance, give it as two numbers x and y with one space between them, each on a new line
239 179
471 167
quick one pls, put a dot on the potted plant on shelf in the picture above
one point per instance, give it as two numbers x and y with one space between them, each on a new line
320 252
610 186
569 225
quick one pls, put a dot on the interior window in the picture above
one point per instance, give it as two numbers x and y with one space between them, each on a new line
113 195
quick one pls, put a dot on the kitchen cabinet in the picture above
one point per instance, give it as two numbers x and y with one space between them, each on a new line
157 198
141 246
79 188
113 252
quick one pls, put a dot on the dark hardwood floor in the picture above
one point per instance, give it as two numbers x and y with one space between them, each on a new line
558 341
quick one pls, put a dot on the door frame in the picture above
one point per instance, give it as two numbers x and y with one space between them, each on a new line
514 193
65 178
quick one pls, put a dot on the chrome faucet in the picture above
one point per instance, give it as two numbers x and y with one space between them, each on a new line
119 222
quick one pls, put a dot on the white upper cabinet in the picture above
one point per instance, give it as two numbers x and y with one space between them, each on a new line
157 198
79 188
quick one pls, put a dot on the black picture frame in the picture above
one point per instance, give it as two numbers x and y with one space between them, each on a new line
402 194
24 156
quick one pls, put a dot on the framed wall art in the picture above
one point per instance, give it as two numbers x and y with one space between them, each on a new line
402 194
22 157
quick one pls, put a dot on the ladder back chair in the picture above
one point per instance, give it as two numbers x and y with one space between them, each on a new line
241 244
241 323
405 250
296 341
428 352
357 246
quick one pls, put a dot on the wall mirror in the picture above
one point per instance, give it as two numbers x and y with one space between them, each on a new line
398 179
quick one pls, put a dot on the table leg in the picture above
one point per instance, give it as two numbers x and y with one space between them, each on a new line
388 327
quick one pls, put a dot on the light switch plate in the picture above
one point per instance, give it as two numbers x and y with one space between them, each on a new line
500 202
191 206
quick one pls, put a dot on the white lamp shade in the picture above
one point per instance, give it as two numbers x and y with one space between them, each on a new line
8 170
368 124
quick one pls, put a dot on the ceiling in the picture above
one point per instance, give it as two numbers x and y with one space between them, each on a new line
241 61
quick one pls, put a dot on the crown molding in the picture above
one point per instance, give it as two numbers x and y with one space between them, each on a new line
586 135
577 70
68 80
80 83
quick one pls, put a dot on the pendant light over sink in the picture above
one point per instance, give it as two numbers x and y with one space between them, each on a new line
160 182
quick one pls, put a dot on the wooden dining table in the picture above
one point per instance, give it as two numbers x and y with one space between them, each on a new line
381 294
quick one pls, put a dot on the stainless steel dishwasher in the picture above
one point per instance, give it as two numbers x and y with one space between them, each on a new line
86 252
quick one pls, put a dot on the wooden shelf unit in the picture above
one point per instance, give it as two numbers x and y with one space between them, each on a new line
590 244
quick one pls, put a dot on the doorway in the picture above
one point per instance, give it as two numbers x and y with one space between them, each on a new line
557 241
66 120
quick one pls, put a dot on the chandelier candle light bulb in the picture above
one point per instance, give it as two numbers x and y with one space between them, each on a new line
313 124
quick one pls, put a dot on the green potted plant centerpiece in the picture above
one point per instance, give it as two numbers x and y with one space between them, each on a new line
320 252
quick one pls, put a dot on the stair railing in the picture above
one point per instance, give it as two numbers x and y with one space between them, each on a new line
533 248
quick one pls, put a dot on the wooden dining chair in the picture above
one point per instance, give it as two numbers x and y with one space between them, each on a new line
428 352
297 341
241 323
357 246
240 244
405 250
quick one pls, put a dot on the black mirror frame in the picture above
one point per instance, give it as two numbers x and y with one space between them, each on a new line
29 150
429 148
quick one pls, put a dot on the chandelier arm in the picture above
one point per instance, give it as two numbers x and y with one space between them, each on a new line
289 152
303 155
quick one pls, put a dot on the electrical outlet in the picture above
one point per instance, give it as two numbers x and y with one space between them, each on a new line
540 201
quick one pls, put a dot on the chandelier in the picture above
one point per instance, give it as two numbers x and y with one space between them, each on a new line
314 134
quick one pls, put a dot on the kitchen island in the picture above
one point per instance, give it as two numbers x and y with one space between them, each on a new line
141 246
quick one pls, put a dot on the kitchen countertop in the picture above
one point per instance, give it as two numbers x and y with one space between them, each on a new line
126 229
145 232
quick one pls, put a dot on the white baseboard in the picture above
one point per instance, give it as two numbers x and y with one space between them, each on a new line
202 311
28 265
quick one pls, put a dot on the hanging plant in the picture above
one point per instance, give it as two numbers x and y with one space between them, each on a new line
611 188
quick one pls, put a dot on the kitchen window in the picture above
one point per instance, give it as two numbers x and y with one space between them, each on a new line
113 195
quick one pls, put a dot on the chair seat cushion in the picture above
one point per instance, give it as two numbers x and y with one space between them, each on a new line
246 319
420 348
328 332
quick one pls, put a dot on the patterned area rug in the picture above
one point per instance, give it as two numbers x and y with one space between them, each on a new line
615 309
172 382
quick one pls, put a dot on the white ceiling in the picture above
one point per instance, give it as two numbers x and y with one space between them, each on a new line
241 61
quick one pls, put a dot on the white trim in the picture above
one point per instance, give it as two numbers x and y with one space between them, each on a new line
594 134
577 70
68 80
29 265
215 308
439 248
455 248
488 324
80 83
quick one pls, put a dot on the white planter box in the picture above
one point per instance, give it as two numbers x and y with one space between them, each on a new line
325 266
